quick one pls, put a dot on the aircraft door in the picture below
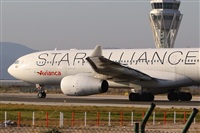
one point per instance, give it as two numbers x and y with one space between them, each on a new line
28 63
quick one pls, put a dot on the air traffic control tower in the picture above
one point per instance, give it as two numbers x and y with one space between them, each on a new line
165 19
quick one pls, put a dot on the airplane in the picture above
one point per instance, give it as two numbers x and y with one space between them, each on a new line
146 72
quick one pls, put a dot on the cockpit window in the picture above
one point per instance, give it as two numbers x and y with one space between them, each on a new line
16 62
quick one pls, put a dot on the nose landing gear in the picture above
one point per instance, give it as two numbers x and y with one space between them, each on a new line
41 91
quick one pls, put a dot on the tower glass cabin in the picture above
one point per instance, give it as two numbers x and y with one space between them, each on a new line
165 19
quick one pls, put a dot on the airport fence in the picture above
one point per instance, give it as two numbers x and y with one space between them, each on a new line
112 122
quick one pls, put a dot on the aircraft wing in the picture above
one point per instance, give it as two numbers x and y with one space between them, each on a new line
112 69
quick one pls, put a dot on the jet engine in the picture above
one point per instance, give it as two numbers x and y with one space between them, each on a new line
82 85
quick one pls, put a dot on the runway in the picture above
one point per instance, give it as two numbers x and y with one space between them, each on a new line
94 100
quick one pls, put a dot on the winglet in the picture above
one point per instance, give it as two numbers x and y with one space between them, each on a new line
97 52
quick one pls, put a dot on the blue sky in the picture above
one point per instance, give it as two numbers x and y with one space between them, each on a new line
83 24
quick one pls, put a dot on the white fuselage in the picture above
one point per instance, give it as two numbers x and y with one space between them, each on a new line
179 66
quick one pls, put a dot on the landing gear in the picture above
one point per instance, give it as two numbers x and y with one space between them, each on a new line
182 96
173 96
145 96
41 95
185 96
41 91
134 97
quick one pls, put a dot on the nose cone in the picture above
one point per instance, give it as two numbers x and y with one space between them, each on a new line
14 71
11 70
18 72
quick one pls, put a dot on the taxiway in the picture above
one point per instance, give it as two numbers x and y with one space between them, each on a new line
94 100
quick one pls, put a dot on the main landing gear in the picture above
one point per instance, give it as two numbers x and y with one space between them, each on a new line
182 96
145 96
41 91
173 95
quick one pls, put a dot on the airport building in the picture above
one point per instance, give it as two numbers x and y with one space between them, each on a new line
165 19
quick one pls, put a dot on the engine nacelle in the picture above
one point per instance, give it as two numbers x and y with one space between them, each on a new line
82 85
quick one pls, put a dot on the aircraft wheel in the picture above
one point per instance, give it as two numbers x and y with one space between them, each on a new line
182 96
173 96
189 96
144 96
43 94
40 95
134 97
185 96
151 97
147 96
